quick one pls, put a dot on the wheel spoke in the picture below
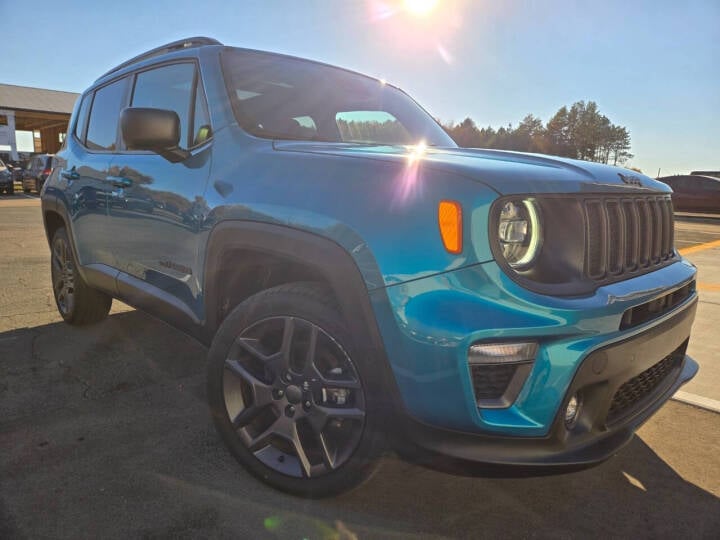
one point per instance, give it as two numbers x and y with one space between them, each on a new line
261 392
250 346
247 415
260 441
309 362
280 362
59 252
56 265
335 383
328 460
238 369
320 415
58 282
300 451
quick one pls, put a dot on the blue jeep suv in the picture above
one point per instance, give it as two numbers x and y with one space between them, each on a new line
363 283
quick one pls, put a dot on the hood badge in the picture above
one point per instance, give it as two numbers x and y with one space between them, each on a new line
630 179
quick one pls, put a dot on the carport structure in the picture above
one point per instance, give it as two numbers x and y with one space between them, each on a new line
44 112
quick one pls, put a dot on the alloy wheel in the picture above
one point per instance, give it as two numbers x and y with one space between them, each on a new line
63 275
293 396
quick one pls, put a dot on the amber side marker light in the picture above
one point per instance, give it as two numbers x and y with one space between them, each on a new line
450 222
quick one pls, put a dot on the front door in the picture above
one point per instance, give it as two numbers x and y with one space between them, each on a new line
157 207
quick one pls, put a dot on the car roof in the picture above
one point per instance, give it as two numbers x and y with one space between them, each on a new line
189 48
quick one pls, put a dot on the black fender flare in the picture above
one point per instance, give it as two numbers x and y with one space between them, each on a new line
327 258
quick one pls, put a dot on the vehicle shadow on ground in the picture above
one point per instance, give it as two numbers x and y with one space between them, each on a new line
105 429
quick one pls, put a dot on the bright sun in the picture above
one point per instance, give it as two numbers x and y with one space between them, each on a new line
420 7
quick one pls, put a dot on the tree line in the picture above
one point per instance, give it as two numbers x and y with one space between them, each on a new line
579 131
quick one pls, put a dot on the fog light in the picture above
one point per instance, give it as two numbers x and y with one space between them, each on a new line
572 411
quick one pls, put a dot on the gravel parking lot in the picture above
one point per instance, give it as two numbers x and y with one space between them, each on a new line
104 433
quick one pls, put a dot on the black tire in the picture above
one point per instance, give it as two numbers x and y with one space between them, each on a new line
315 323
11 189
25 190
77 302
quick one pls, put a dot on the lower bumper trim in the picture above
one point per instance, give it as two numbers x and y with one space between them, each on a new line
592 439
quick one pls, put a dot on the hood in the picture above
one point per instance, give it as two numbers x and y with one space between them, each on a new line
508 173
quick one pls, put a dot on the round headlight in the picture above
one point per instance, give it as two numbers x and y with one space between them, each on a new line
519 232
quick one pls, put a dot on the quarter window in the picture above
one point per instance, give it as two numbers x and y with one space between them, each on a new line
105 116
82 119
201 118
170 88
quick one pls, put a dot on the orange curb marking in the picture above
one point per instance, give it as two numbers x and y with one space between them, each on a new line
708 287
699 247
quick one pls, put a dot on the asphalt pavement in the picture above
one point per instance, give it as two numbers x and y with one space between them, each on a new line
104 432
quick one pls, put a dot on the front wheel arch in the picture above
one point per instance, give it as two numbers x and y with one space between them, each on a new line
329 264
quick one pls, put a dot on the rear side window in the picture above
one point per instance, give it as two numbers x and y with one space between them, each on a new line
371 126
105 116
709 185
82 118
168 87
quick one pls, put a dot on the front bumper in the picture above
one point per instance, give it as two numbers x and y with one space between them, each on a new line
598 433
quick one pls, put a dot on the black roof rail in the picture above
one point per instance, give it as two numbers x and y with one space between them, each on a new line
178 45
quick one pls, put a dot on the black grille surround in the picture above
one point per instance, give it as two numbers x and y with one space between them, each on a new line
632 394
592 239
635 316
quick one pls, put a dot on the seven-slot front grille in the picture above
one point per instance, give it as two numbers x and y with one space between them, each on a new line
625 235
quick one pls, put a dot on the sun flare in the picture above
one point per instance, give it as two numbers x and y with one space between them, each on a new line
420 7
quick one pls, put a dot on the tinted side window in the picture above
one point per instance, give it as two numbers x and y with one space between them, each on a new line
708 185
371 126
82 118
105 116
168 87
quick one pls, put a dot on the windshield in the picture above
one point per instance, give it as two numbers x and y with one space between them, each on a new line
286 98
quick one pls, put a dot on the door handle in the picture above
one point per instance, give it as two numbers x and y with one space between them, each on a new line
120 181
72 174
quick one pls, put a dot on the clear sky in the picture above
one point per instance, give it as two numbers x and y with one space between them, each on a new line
652 66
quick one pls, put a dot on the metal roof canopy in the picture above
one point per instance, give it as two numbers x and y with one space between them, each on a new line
40 110
36 99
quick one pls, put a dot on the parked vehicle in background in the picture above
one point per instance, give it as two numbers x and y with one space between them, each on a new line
693 193
363 282
7 184
37 171
715 174
16 169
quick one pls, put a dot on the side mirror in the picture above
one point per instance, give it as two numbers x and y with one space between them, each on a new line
157 130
